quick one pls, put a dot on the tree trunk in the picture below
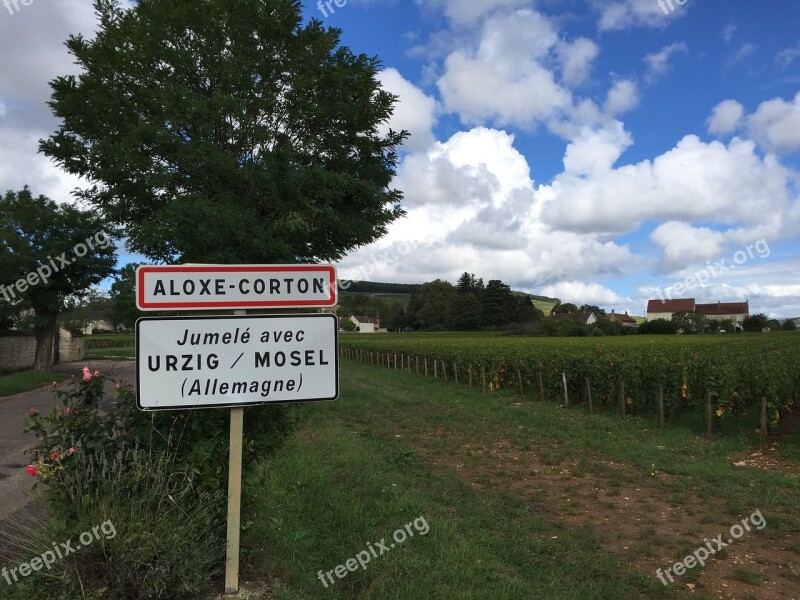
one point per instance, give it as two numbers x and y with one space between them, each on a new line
44 344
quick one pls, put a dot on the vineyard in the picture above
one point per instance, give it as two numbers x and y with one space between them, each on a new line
724 375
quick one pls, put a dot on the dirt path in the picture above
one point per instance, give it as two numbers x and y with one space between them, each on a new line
634 515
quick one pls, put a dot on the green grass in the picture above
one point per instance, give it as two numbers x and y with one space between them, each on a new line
392 449
110 353
23 381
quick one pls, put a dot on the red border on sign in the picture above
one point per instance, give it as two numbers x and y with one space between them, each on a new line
142 305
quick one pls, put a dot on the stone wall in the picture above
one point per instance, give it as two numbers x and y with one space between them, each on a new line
17 352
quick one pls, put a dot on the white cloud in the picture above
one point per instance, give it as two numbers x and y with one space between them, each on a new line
725 117
683 243
776 125
788 56
594 152
579 292
623 14
622 97
414 111
731 186
576 60
472 206
506 79
658 62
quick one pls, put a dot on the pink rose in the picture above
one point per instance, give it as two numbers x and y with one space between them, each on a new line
69 410
33 412
87 374
97 373
71 450
54 455
32 471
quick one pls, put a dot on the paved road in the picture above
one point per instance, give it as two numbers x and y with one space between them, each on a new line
15 483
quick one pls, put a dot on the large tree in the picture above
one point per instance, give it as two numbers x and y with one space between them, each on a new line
49 253
228 131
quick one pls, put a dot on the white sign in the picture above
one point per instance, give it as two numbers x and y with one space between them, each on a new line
202 287
195 362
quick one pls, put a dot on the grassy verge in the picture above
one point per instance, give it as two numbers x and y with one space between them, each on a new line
523 499
24 381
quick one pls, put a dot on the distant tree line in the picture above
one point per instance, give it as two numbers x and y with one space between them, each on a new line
469 305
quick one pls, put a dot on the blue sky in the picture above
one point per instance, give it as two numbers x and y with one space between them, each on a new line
601 151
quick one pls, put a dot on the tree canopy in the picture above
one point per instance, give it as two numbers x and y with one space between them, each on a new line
48 253
226 131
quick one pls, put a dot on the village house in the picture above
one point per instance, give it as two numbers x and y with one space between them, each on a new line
625 320
364 324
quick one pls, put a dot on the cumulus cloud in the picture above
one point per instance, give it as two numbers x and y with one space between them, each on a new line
507 78
414 111
776 125
576 59
658 63
725 117
695 181
472 206
622 97
594 152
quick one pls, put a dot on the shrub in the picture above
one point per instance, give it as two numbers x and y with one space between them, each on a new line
159 477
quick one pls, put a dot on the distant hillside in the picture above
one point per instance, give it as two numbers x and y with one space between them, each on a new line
376 287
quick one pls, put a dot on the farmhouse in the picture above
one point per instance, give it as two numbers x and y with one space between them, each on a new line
625 320
363 324
735 311
663 309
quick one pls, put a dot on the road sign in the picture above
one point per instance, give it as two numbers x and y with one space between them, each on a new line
202 287
203 362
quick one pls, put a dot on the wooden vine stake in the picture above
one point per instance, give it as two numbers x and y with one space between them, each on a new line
483 378
435 369
589 395
519 380
763 430
455 371
416 362
426 366
541 385
566 393
661 406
